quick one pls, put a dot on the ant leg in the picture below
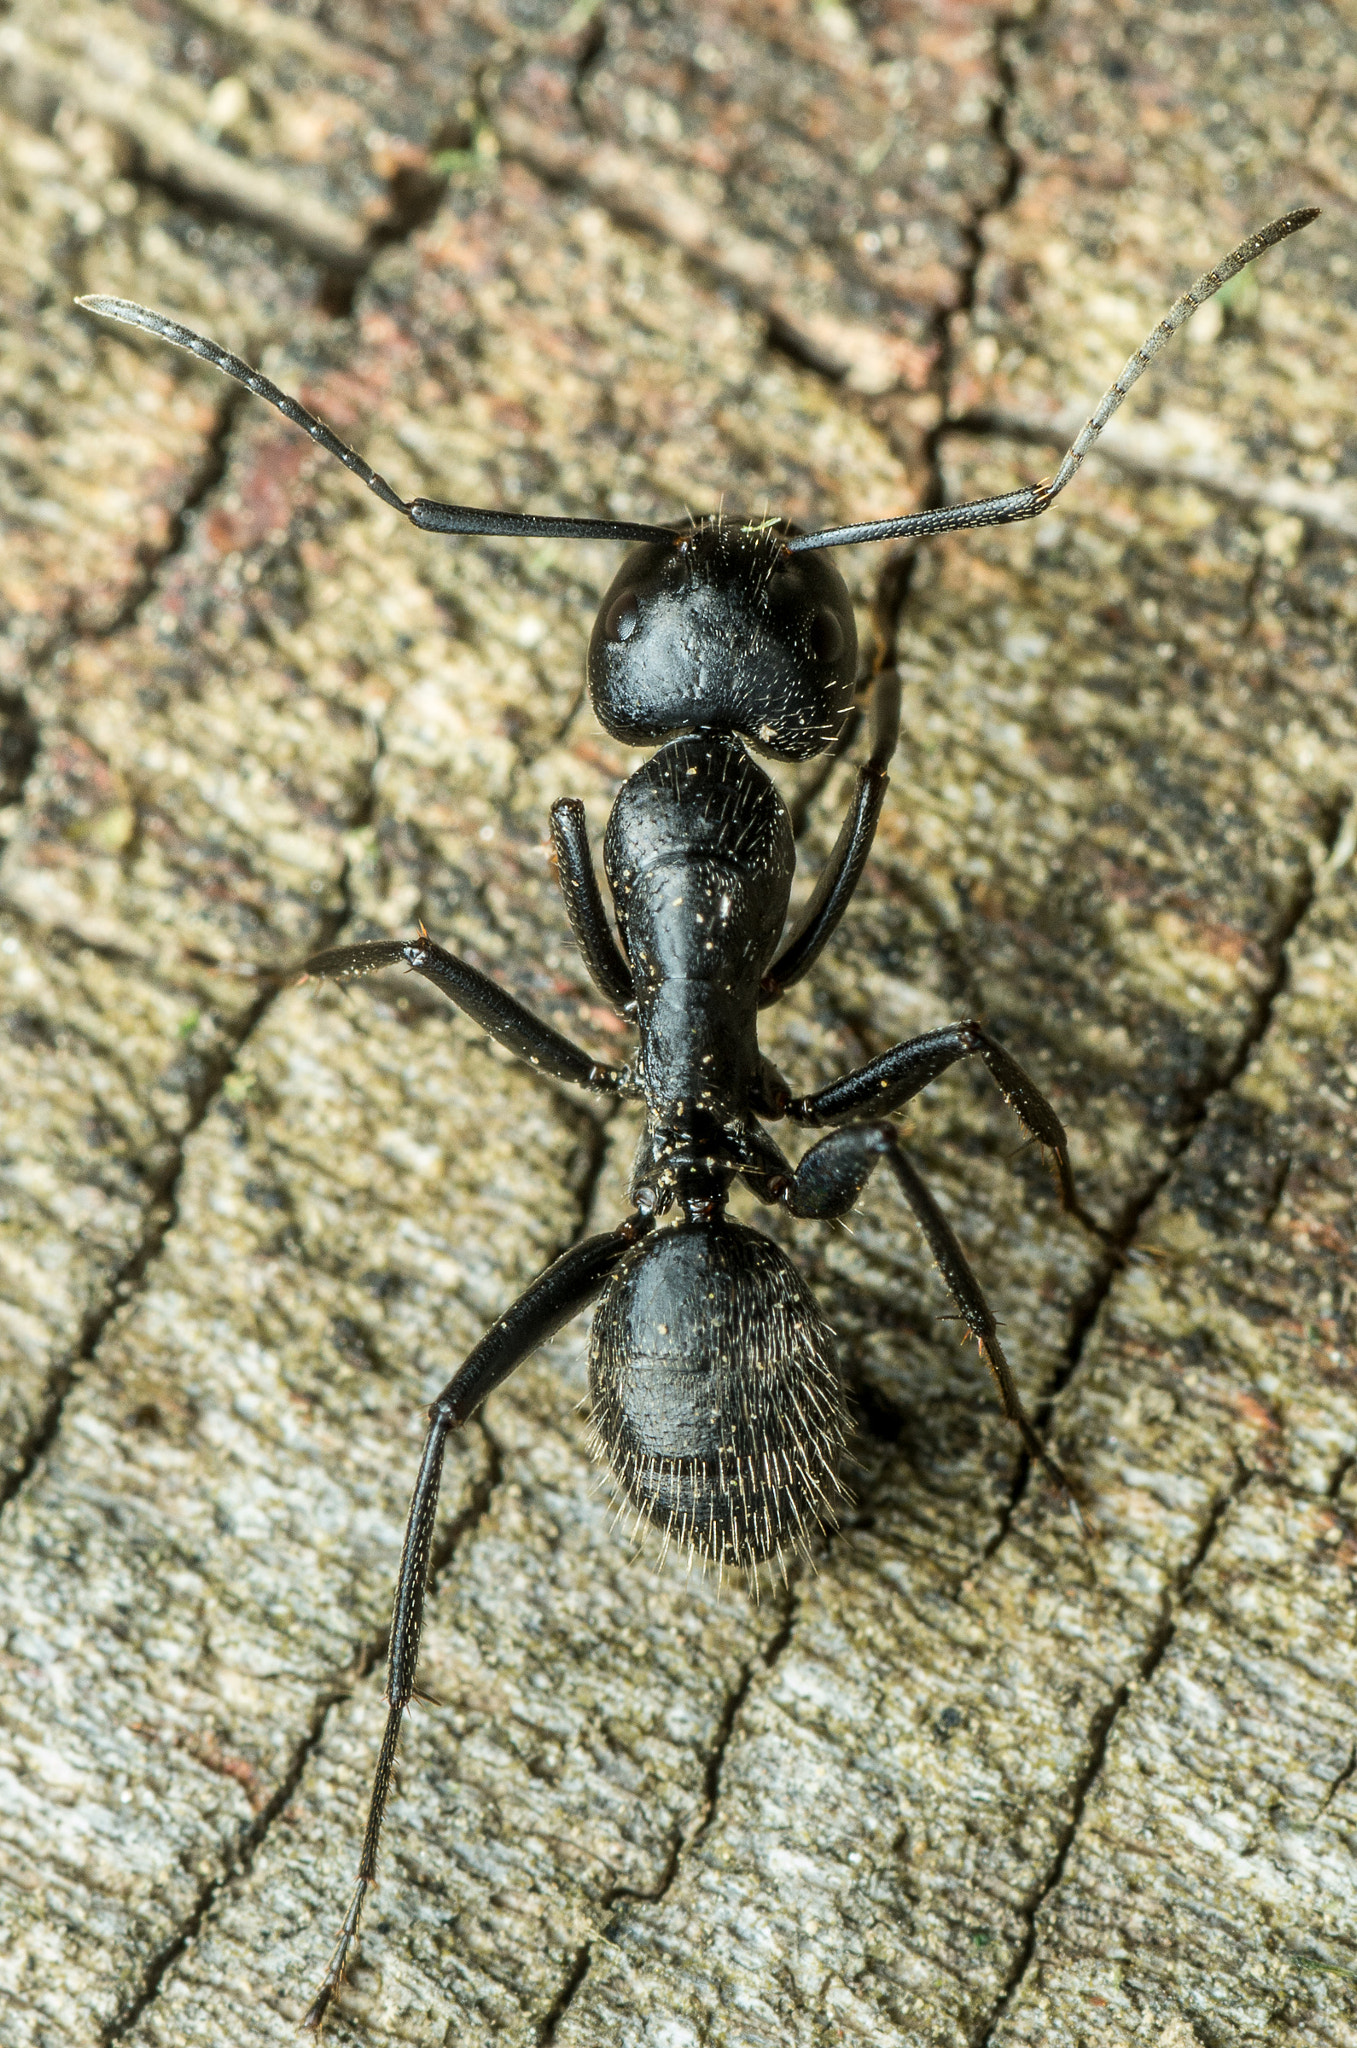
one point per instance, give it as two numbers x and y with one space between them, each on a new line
892 1079
552 1300
584 903
827 1183
484 1001
843 870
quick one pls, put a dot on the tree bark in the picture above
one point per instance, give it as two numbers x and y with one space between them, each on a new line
966 1779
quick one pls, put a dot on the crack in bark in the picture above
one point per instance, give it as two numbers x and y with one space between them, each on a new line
130 1277
19 742
896 576
161 1214
1100 1736
21 731
368 1657
945 319
1121 1235
594 1138
208 472
161 1209
171 155
681 1845
240 1860
1086 1318
842 350
596 1143
1340 1781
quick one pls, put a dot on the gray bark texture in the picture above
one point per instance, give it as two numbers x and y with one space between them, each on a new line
967 1779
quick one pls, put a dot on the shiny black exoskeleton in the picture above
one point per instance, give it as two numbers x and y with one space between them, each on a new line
715 1391
716 1397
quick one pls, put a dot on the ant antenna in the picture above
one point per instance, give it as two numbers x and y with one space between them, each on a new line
434 517
1030 502
426 513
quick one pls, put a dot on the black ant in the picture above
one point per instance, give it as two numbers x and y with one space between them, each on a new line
716 1397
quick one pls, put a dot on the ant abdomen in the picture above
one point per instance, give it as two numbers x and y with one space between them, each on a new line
717 1401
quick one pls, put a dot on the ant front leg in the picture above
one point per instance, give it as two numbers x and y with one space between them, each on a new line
584 903
827 1183
506 1020
895 1077
551 1301
843 870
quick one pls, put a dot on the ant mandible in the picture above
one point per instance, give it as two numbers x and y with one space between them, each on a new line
716 1397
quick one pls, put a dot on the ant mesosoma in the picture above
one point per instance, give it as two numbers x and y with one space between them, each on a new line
716 1398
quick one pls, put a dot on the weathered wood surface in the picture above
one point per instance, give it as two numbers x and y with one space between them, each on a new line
967 1782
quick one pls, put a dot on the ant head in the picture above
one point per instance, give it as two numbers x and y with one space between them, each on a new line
722 630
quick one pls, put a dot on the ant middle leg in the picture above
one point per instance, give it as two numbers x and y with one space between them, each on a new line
826 1184
896 1076
506 1020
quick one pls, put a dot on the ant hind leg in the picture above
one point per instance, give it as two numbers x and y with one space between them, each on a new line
552 1299
827 1183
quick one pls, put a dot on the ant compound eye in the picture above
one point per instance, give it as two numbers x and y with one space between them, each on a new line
826 637
623 617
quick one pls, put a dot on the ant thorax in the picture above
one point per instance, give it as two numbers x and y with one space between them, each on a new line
699 855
